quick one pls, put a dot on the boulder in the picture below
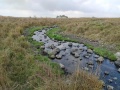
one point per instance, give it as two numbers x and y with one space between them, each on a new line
59 56
52 56
100 59
110 80
70 44
109 87
117 63
117 55
52 46
76 55
86 69
90 63
106 73
114 78
96 56
119 70
89 51
42 47
62 66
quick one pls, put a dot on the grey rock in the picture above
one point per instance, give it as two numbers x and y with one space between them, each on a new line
70 44
110 80
119 70
90 63
106 73
76 55
86 69
62 66
109 87
96 56
90 51
90 66
117 63
42 47
117 55
114 78
52 56
100 59
59 56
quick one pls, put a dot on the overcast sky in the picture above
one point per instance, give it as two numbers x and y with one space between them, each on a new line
52 8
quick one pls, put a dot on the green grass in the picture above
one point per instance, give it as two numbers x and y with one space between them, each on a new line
53 34
44 59
100 51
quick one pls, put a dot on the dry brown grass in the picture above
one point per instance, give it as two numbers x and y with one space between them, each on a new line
18 67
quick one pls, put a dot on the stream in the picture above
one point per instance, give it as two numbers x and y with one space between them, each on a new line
73 56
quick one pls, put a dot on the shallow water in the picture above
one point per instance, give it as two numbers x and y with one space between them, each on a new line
71 63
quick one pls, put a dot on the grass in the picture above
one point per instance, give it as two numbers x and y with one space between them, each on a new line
54 34
98 50
22 69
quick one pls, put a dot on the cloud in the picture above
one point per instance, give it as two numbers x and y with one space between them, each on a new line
51 8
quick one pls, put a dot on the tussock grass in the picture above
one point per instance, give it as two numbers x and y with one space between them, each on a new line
22 69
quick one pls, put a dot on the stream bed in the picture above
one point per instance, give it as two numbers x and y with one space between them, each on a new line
73 56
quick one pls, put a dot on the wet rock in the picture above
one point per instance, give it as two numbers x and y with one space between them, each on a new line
90 63
52 46
81 48
110 80
109 87
42 47
106 73
90 66
70 44
59 56
103 83
118 55
119 70
86 69
100 59
80 58
62 66
76 55
96 56
86 56
63 48
115 78
117 63
89 51
52 56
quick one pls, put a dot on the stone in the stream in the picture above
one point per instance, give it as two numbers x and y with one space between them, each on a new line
90 66
109 87
81 48
114 78
90 63
76 55
106 73
117 63
86 56
52 46
62 66
117 55
59 56
70 44
86 69
89 51
96 56
119 70
52 56
42 47
100 59
110 80
80 58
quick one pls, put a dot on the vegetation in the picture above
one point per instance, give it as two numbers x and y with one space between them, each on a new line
23 68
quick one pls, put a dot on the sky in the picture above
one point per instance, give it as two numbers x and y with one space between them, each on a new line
52 8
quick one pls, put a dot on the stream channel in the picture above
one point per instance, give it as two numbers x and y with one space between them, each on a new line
71 56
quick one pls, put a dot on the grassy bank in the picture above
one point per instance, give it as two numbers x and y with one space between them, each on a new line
22 67
98 50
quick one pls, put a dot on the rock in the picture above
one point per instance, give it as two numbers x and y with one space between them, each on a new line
52 56
90 66
62 66
59 56
110 87
42 47
76 55
70 44
110 80
119 70
86 56
100 59
117 63
115 78
90 51
103 83
80 58
106 73
90 63
96 56
81 48
57 50
73 51
52 46
86 69
117 55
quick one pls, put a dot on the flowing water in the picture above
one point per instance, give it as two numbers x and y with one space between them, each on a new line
72 62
